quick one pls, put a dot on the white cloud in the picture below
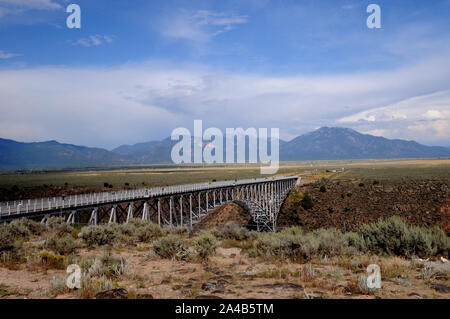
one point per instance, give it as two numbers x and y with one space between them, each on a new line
433 115
141 102
200 26
425 118
4 55
32 4
17 7
93 40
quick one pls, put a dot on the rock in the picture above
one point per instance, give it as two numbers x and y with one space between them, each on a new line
441 288
119 293
437 267
416 295
209 286
280 285
252 270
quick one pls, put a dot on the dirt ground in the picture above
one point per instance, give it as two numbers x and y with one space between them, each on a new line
232 274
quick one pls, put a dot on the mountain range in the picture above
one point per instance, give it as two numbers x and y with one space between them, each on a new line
323 144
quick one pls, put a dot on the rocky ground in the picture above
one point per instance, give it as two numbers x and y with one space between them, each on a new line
232 274
347 204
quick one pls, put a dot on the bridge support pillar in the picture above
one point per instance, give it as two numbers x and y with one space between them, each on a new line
94 217
190 211
145 212
113 215
71 218
159 212
171 210
130 211
181 210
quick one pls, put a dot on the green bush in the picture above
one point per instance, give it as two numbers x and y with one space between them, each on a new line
234 232
440 242
172 246
23 228
387 237
149 232
331 242
282 247
19 229
181 231
128 229
7 240
205 245
294 230
59 226
307 202
100 235
323 189
356 241
394 237
63 245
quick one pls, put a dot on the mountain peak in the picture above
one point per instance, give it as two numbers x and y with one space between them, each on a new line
333 143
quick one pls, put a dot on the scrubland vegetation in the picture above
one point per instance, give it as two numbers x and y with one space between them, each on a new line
31 246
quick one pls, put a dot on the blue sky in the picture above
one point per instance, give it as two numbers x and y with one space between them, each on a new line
136 70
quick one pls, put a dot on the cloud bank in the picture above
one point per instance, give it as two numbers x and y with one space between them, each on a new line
146 101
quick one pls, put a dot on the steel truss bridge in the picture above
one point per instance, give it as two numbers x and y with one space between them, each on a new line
181 205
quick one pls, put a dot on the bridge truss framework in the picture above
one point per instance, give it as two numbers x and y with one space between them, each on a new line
181 205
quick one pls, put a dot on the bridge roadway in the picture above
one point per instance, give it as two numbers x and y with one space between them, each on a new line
168 204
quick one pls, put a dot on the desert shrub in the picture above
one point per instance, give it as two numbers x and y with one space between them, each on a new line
323 189
57 287
307 202
149 232
128 229
330 242
137 222
297 246
7 240
99 235
105 266
62 245
181 231
356 241
58 225
23 228
419 243
387 237
19 229
172 246
281 246
205 245
52 260
440 242
394 237
235 232
294 230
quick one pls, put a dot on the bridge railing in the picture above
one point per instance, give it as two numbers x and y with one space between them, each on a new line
73 201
